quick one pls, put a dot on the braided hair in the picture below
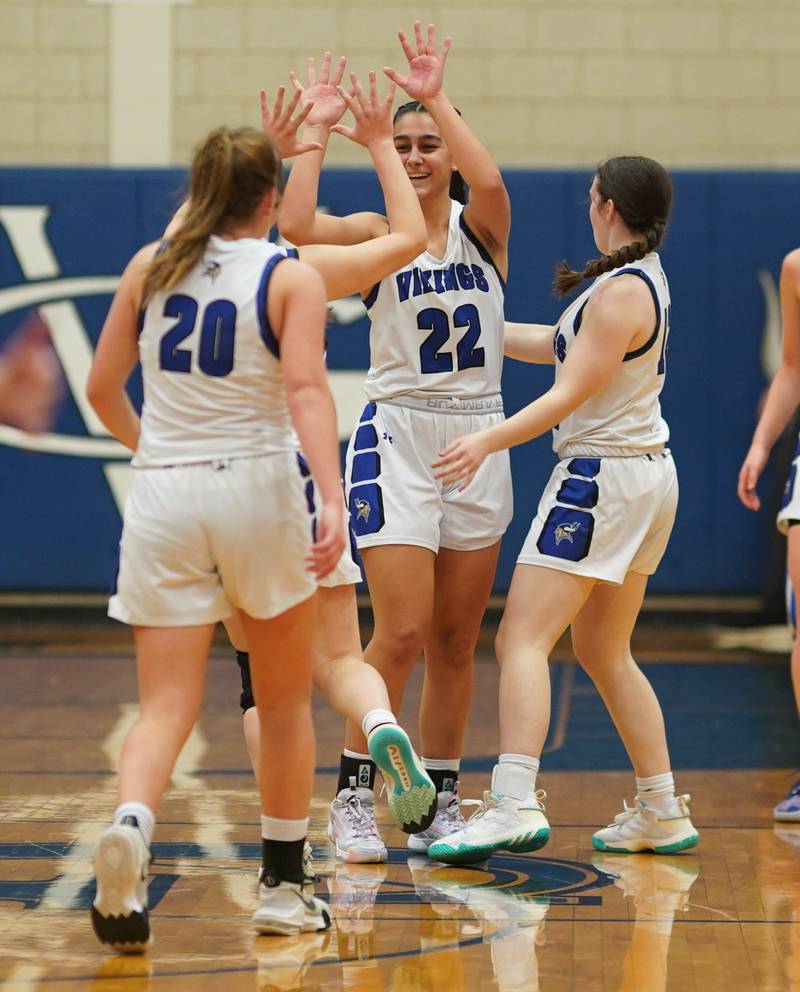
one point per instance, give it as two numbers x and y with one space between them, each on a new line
231 172
458 188
642 193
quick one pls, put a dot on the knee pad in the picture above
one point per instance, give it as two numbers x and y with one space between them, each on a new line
246 700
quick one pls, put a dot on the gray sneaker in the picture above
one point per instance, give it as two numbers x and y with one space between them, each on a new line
447 820
352 828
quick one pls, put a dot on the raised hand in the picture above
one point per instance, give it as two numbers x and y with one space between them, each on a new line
279 124
425 67
323 93
373 118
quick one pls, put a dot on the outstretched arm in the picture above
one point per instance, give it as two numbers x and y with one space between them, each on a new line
529 343
616 315
784 392
298 219
355 268
488 212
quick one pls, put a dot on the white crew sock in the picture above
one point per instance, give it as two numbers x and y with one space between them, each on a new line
657 791
514 776
273 828
144 817
376 718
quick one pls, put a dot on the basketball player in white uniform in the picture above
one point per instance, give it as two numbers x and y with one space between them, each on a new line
429 552
601 528
781 404
206 456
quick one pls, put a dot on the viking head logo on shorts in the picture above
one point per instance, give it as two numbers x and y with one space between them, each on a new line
564 532
362 509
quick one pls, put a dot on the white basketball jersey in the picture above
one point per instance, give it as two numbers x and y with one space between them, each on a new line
213 385
437 325
625 416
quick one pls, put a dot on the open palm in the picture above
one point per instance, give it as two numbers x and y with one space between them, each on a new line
426 67
323 92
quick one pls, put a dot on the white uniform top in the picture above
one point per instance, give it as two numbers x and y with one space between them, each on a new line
624 418
437 325
213 385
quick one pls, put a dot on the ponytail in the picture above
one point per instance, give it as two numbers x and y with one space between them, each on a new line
231 171
642 193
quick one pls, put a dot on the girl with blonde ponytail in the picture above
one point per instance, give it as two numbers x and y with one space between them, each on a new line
601 528
223 518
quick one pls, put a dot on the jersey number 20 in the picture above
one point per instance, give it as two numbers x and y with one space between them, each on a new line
431 359
217 332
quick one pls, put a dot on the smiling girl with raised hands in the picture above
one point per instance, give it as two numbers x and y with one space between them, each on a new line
436 341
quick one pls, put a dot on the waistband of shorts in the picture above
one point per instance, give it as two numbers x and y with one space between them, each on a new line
214 463
591 451
491 403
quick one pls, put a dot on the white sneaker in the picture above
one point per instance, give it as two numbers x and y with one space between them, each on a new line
659 887
119 911
283 964
447 821
500 824
353 890
286 908
642 828
352 828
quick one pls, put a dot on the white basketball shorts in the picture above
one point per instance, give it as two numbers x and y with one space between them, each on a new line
200 539
392 494
605 517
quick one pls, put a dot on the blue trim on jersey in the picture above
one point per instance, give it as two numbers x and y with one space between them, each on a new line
576 324
267 335
578 492
366 437
305 471
366 467
293 253
587 467
368 413
481 248
372 295
654 336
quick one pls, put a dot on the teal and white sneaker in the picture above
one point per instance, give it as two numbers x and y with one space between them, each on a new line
500 824
411 793
642 828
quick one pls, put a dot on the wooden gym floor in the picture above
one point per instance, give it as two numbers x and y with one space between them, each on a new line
726 916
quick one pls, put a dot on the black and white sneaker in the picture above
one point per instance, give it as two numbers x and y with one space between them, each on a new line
119 912
287 908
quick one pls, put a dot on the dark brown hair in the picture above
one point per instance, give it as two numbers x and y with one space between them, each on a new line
642 193
231 172
458 188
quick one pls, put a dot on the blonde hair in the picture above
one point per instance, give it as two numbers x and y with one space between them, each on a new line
231 172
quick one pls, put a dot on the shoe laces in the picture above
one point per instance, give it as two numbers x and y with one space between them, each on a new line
360 817
488 807
628 813
450 817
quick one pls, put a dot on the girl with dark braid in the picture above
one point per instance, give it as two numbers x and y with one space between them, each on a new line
601 528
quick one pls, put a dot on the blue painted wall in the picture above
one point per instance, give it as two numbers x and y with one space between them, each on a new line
60 523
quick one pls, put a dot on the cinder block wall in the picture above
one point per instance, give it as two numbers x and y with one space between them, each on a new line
544 82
